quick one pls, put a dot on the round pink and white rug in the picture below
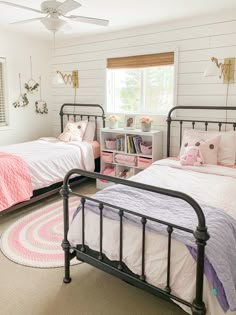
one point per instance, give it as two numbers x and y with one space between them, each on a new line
35 240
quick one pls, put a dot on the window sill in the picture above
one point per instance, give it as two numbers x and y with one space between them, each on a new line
5 128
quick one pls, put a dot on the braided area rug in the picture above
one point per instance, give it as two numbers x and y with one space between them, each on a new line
35 240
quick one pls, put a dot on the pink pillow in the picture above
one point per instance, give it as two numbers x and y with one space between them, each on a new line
89 132
209 148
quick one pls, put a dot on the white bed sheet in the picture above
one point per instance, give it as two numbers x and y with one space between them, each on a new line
213 185
49 160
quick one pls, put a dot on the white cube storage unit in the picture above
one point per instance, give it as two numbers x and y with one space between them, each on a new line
126 152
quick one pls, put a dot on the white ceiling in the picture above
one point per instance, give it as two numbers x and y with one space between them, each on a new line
121 13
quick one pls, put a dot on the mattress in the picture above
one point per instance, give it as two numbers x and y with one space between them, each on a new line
194 181
49 160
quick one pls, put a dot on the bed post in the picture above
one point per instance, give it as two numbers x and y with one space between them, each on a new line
65 243
61 115
168 131
201 236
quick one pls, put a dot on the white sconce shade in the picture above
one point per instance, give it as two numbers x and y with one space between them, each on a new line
57 79
211 70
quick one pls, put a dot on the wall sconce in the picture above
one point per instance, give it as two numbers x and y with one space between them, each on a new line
72 78
225 69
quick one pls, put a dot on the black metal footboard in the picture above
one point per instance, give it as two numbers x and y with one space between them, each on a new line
118 268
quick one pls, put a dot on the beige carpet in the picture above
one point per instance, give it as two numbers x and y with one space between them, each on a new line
33 291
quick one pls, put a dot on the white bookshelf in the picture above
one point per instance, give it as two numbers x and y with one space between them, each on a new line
154 137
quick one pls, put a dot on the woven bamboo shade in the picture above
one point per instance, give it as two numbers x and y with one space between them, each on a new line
153 60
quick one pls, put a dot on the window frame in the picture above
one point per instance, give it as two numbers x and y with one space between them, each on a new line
5 124
158 116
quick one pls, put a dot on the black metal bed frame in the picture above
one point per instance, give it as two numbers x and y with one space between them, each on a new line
42 193
118 268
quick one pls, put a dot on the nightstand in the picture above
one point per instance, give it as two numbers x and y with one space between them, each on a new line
126 152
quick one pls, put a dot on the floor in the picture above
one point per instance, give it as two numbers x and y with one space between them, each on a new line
34 291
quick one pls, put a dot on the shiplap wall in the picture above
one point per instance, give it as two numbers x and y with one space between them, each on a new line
194 42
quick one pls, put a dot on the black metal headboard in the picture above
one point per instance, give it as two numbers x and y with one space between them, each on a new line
89 116
194 121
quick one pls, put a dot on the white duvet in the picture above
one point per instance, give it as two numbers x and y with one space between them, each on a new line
213 185
49 159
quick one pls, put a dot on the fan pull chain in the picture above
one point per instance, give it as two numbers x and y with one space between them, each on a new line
54 43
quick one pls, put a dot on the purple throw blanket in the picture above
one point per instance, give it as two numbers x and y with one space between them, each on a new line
220 257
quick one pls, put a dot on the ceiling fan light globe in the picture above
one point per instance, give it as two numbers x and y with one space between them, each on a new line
53 24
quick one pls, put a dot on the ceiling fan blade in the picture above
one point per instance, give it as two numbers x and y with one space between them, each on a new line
20 6
26 21
68 5
90 20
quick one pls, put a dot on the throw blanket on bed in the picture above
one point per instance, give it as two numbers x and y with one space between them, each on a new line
15 181
220 250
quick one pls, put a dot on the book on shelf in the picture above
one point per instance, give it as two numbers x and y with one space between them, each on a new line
128 144
133 144
120 143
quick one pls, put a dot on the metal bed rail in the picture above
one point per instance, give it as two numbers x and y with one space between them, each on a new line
119 269
75 115
205 122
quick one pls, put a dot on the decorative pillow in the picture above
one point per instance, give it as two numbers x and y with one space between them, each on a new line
227 143
73 131
89 132
208 148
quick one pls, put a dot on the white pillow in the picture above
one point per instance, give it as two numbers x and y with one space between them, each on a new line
227 143
73 131
89 132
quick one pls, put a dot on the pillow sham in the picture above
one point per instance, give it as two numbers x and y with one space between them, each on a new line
73 131
208 148
89 132
227 143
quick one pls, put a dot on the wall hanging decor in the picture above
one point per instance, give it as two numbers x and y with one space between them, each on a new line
41 105
31 86
22 100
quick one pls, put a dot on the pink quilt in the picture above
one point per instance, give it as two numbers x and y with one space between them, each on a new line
15 181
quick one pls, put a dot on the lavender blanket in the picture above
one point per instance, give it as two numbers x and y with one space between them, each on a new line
220 262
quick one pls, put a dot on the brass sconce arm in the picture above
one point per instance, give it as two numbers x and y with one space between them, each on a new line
226 69
72 78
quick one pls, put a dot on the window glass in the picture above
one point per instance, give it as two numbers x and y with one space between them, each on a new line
141 90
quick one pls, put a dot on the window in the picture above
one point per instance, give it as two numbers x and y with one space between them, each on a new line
3 119
141 84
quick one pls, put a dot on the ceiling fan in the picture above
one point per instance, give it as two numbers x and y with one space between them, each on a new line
56 14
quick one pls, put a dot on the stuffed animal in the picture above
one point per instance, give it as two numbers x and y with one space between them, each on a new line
69 133
192 156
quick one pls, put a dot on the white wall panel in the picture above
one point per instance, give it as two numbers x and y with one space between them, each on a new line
196 40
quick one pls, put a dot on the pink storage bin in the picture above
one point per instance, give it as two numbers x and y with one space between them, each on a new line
146 148
108 170
110 144
125 159
107 157
144 162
